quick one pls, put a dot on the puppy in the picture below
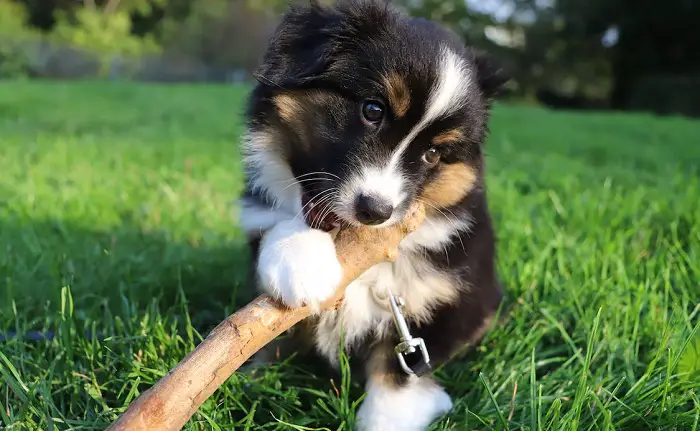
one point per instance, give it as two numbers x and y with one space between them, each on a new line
361 110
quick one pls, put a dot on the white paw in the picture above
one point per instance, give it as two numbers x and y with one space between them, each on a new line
298 264
410 408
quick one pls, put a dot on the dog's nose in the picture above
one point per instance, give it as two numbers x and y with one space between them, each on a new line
372 210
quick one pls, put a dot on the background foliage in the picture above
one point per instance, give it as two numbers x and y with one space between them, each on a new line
619 54
15 40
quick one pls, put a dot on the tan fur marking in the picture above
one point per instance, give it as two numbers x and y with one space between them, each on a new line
399 94
448 137
319 97
377 366
288 107
293 106
452 184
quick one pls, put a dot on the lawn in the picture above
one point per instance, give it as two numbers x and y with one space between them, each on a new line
117 219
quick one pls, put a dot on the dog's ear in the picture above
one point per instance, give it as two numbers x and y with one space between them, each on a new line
490 75
301 46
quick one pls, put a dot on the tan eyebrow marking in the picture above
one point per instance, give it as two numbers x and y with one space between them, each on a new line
398 93
448 136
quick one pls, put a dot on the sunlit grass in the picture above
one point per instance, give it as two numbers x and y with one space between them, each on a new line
117 219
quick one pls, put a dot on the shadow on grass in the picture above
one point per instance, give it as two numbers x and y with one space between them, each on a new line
119 271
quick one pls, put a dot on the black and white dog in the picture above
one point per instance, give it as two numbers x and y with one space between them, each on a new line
360 111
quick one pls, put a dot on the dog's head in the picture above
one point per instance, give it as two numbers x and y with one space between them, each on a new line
361 110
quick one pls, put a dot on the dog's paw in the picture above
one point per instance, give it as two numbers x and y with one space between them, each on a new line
298 264
413 407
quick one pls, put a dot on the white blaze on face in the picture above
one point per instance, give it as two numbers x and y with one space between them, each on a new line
388 182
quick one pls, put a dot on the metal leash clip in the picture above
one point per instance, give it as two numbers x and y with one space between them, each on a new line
408 344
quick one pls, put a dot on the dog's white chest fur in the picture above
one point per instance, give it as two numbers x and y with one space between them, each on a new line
365 308
360 312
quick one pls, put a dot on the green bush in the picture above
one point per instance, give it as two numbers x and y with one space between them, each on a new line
15 41
107 35
14 63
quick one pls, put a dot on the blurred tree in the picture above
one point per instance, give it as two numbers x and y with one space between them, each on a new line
576 49
104 30
556 59
15 34
195 30
633 39
276 7
43 14
455 14
655 38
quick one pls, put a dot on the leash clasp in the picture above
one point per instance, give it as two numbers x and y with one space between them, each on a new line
408 343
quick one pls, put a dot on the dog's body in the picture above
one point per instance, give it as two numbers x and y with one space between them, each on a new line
361 111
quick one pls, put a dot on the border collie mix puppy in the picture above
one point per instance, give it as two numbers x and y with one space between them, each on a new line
360 111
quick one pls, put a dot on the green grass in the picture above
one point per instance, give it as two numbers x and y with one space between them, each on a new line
117 217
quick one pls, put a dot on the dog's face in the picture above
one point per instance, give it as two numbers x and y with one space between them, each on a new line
369 110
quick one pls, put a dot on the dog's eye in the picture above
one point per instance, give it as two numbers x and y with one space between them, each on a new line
431 157
373 112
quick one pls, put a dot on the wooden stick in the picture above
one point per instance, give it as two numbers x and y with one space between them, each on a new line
171 402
